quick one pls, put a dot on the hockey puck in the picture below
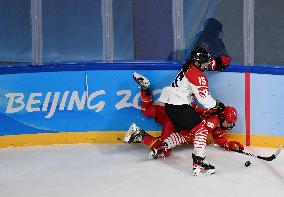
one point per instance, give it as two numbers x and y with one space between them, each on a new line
247 164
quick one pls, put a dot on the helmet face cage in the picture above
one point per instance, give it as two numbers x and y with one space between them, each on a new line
226 125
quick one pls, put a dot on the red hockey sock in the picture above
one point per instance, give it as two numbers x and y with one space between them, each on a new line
150 141
147 100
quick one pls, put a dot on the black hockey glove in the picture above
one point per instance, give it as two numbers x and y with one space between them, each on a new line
219 107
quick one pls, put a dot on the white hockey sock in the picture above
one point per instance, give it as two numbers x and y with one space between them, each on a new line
199 142
174 140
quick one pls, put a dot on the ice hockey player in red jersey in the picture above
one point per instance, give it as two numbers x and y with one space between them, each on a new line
217 125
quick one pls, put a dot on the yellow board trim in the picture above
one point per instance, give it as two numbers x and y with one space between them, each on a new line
112 137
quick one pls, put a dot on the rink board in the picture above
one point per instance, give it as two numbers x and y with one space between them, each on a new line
97 103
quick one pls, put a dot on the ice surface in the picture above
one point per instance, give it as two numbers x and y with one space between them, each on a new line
88 170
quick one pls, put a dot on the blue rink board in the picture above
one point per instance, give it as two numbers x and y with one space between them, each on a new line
27 101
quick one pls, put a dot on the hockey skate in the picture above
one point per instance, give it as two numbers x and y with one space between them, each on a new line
158 152
142 81
201 167
134 134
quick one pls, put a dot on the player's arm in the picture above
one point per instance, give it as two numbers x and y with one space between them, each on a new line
202 94
204 97
219 136
203 112
199 86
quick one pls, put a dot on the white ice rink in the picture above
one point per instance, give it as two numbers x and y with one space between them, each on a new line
88 170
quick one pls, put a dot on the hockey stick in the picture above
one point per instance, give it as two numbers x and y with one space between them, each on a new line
269 158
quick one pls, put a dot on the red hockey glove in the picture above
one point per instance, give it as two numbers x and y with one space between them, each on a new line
222 62
233 145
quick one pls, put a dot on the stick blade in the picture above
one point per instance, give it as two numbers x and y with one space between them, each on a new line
273 156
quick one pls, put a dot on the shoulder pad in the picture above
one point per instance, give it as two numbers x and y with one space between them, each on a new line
196 77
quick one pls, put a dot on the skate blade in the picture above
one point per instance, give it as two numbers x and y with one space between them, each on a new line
204 173
153 155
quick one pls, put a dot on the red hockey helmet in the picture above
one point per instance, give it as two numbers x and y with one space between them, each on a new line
230 114
228 118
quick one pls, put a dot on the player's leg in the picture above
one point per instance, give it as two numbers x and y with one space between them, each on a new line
167 130
158 113
150 110
153 111
200 165
136 134
185 118
146 95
